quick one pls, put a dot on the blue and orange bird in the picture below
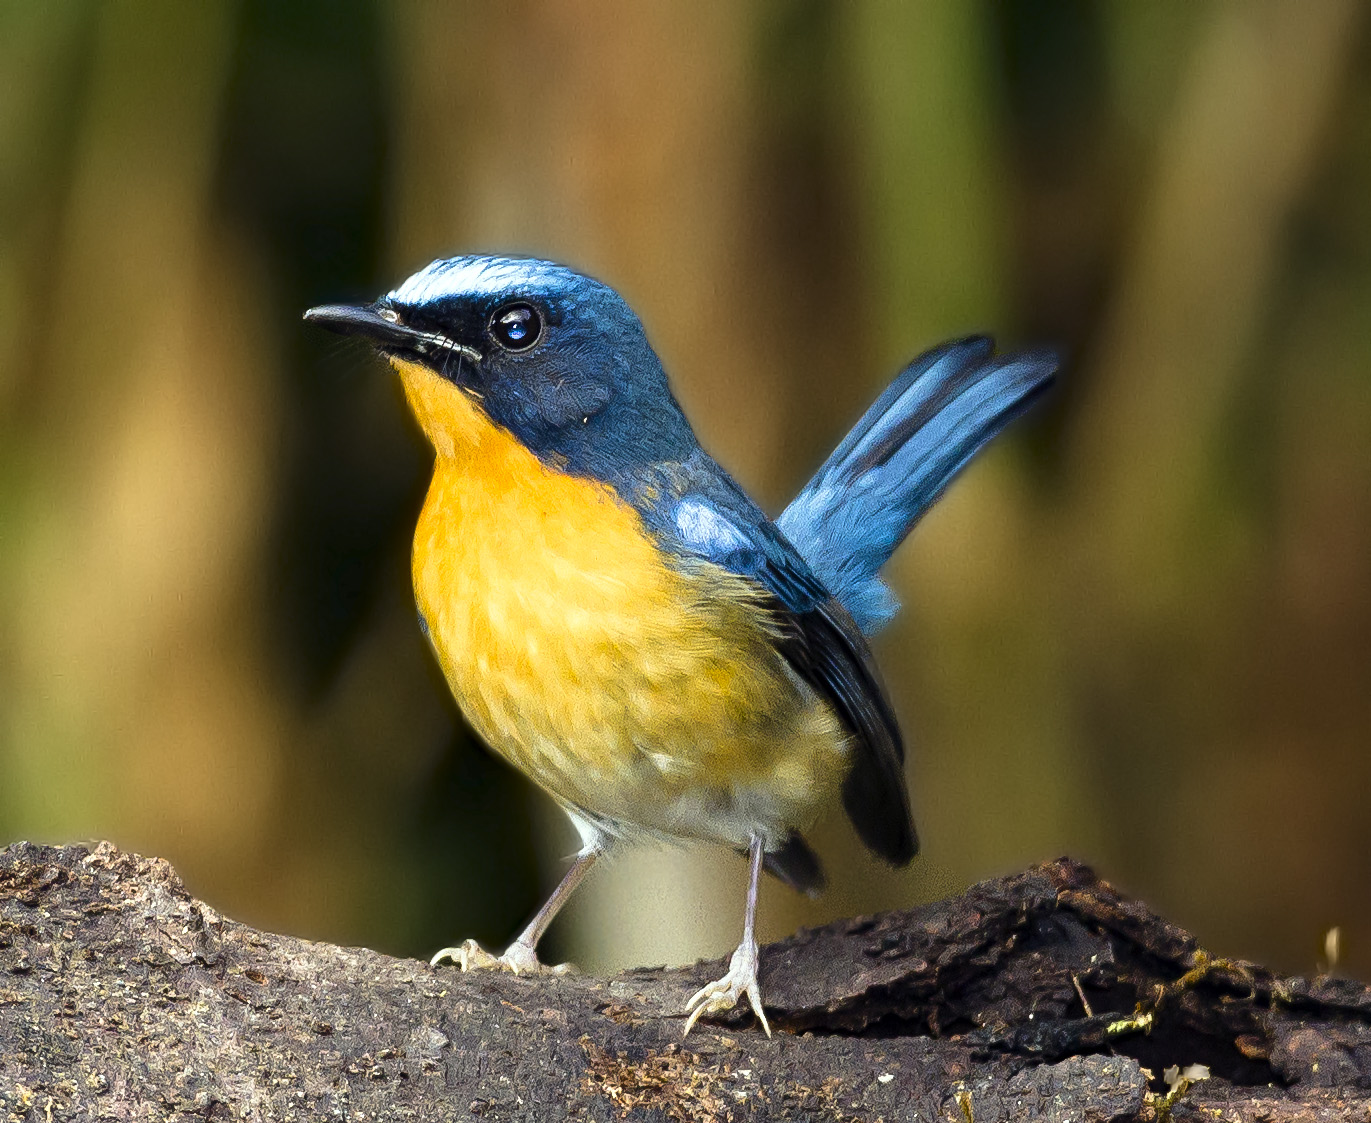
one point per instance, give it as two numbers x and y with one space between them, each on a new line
615 616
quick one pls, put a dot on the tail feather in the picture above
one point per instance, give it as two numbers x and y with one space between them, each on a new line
796 864
899 458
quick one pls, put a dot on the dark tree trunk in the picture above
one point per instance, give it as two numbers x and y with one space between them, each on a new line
1039 996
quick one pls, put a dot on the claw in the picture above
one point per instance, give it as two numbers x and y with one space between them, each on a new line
723 994
519 959
469 956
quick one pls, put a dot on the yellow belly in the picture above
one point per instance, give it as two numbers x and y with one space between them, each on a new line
644 693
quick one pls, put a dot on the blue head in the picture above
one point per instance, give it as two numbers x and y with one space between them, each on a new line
557 358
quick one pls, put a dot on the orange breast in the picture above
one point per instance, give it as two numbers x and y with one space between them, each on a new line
645 692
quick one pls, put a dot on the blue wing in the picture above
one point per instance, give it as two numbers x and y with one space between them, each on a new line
819 564
704 514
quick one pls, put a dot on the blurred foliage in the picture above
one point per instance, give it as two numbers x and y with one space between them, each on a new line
1138 630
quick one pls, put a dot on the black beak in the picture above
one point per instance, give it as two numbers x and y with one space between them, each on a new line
383 327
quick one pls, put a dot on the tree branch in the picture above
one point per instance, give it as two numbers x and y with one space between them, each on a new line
1040 996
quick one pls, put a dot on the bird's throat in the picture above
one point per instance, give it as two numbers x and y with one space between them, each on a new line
450 417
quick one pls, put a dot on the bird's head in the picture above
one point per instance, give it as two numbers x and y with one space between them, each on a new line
556 358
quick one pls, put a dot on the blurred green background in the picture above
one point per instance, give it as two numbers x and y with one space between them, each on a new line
1138 630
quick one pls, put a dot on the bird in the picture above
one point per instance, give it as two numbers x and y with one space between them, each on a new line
615 616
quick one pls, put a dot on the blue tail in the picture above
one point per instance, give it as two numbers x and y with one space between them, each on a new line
898 459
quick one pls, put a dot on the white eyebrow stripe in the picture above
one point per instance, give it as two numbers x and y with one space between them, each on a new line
474 276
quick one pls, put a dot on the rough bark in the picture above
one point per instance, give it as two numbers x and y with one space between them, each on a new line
1040 996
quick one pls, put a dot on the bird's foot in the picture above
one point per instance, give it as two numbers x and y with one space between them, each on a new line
519 959
723 994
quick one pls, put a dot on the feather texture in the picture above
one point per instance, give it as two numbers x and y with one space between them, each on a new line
646 691
897 460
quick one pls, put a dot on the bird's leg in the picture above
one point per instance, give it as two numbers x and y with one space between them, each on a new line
742 968
520 957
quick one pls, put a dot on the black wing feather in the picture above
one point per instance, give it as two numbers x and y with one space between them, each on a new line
830 653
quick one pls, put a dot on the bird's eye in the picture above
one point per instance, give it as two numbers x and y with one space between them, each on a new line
516 327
